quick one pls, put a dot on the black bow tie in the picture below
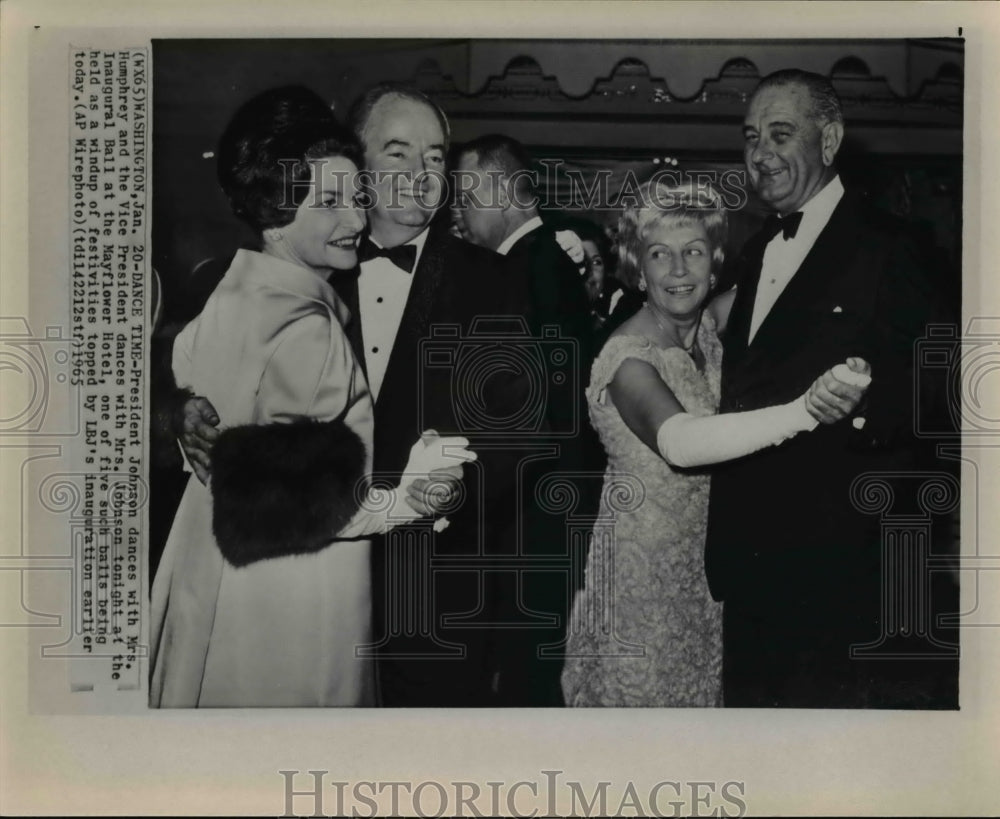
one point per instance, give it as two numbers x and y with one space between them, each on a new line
787 226
403 256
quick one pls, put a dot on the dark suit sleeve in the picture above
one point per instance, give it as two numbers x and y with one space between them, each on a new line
906 303
555 299
559 298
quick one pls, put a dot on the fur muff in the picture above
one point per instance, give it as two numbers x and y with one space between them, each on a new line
283 489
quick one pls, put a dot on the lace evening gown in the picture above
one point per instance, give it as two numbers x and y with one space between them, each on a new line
645 630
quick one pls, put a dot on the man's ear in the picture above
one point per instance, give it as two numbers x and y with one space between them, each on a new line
832 136
504 193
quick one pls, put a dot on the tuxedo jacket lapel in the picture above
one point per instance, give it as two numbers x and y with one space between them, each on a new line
738 328
346 286
416 317
829 254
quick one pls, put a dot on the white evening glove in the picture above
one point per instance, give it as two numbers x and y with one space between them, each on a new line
571 246
844 373
685 440
382 509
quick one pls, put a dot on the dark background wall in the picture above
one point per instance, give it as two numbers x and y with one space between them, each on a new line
609 104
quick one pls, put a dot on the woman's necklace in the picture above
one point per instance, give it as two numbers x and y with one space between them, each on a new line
687 348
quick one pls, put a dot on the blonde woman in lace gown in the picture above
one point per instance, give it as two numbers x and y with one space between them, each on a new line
645 630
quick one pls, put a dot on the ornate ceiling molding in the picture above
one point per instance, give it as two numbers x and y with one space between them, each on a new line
632 89
634 76
905 65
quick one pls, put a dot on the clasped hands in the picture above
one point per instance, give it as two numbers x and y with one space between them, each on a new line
429 483
434 471
836 394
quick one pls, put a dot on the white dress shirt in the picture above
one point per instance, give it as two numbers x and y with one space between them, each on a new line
783 257
383 290
526 228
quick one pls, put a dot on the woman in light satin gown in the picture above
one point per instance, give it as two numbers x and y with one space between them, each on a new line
263 596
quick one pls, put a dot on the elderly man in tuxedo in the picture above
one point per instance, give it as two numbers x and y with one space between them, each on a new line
435 628
798 566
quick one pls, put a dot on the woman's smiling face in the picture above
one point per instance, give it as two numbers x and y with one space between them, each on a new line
325 231
677 267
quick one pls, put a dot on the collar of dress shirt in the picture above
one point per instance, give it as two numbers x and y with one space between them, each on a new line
817 212
417 241
526 228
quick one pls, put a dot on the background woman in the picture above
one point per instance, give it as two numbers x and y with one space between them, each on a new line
645 630
252 603
611 302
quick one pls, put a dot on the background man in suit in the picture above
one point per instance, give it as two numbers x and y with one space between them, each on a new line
496 208
798 566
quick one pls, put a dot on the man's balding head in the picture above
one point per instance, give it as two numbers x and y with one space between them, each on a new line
404 136
494 183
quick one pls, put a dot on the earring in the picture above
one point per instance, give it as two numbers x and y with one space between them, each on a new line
642 285
273 234
711 281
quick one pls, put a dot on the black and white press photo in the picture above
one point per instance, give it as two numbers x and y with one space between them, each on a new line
550 373
513 408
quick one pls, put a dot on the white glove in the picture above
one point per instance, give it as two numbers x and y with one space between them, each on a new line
685 440
434 452
844 373
571 245
382 509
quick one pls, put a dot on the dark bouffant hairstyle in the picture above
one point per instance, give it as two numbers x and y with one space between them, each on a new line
265 151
